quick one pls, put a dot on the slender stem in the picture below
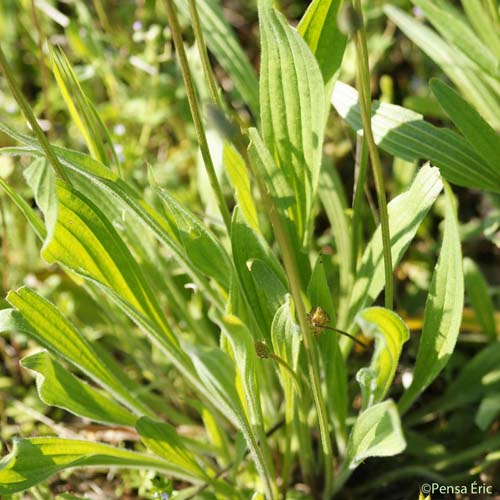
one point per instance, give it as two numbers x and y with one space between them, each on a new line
365 104
202 49
341 332
28 113
357 202
289 369
309 346
195 112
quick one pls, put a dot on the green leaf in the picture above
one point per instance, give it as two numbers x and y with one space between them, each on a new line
334 201
488 411
35 459
475 129
443 310
479 376
285 336
223 43
107 189
483 23
201 246
406 212
319 29
58 387
405 134
82 110
474 84
376 433
42 322
390 333
85 242
249 246
163 440
238 175
334 367
452 25
477 292
292 107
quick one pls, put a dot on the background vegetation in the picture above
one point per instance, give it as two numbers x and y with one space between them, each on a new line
108 83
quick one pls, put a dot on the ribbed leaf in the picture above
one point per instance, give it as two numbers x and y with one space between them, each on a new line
477 292
479 16
58 387
82 110
404 133
443 310
474 84
42 322
390 333
483 139
292 106
334 201
452 25
36 459
163 440
376 433
238 175
201 246
319 29
222 42
406 212
334 367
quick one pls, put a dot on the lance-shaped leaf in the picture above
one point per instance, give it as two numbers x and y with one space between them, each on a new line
474 84
477 292
452 25
85 242
35 459
224 44
319 29
216 369
475 129
331 356
376 433
406 134
42 322
247 246
390 333
201 246
292 107
443 310
103 187
82 110
59 387
163 440
406 212
238 175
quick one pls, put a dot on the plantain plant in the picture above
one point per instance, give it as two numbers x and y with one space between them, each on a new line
237 317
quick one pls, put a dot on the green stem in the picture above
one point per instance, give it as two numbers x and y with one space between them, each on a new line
28 113
357 203
195 112
365 105
202 49
309 346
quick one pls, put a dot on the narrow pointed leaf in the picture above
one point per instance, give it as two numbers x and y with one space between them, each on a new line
292 106
406 134
483 139
406 212
443 310
319 29
59 387
163 440
36 459
42 322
